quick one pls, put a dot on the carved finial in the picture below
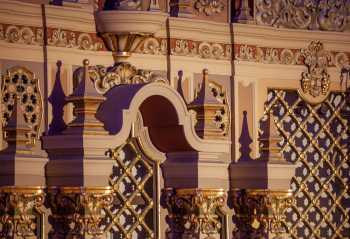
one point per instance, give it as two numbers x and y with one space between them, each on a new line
86 101
17 129
270 149
86 62
245 140
208 108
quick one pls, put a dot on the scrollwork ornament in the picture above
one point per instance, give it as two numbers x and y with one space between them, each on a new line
311 14
315 82
194 212
19 210
209 7
121 73
78 212
260 213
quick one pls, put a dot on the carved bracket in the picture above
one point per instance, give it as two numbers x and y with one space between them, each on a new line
19 209
194 212
78 212
260 213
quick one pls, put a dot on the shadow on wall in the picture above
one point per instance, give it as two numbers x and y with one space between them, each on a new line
57 101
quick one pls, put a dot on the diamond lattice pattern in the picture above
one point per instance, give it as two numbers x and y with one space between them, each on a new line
131 215
315 139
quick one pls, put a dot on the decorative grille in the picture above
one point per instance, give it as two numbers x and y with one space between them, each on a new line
315 139
132 214
23 83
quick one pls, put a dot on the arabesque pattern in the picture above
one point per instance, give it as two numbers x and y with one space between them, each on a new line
133 182
315 139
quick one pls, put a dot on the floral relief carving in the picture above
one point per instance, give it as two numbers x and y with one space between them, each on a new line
194 212
209 7
285 56
260 213
310 14
122 73
56 37
77 40
21 34
78 212
17 211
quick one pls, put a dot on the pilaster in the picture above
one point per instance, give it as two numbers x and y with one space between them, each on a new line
78 171
260 189
21 180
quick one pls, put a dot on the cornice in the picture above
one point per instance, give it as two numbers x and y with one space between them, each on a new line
199 30
78 19
251 34
17 12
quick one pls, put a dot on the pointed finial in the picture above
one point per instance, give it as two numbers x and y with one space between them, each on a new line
86 101
207 106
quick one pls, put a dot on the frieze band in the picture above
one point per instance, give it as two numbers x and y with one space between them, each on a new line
159 46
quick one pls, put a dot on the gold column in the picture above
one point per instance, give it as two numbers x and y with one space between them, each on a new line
78 212
194 212
20 209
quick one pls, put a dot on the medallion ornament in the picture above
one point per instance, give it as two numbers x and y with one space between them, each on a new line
21 83
315 82
78 212
194 213
20 209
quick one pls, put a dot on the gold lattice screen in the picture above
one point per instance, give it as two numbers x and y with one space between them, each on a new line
315 139
134 183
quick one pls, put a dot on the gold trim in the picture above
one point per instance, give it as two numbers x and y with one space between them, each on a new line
22 189
68 190
204 191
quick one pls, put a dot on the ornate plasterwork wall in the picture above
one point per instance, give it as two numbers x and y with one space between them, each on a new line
244 61
312 15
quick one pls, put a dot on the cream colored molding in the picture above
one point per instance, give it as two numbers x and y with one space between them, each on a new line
17 12
142 134
199 30
75 56
130 21
149 62
289 38
69 18
188 64
12 51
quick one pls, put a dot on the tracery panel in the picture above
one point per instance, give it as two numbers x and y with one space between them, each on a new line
135 183
315 139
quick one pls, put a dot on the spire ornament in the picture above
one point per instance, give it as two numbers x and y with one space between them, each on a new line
211 109
86 101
